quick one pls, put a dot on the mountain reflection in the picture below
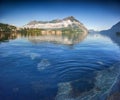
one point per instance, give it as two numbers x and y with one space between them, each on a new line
7 36
54 36
114 37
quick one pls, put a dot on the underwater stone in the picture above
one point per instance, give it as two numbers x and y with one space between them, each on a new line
43 64
105 82
34 55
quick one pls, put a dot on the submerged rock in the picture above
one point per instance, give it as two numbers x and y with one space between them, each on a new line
64 91
34 55
114 93
107 87
114 96
43 64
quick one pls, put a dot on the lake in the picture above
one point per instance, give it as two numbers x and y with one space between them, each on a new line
57 67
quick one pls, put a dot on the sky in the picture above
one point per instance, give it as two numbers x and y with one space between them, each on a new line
93 14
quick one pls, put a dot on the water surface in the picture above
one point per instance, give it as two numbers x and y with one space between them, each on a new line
54 67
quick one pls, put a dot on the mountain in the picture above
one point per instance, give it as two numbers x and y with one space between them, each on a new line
113 30
93 31
116 27
68 22
113 33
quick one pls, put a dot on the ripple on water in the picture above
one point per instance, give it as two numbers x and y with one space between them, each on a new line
103 84
70 69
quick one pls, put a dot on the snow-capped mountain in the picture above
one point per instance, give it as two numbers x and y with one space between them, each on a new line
56 24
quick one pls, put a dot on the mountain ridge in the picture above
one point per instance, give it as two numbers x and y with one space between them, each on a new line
115 28
113 33
54 20
68 22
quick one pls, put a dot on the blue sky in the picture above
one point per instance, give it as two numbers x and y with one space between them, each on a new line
97 16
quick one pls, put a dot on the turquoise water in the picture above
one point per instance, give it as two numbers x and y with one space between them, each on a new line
31 69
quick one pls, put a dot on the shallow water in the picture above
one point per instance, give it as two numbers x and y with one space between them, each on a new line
31 69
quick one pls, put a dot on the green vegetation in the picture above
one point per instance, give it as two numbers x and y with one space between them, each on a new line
7 28
29 31
71 30
39 31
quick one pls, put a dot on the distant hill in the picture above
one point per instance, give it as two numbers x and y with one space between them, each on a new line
93 31
68 22
116 27
113 30
113 33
